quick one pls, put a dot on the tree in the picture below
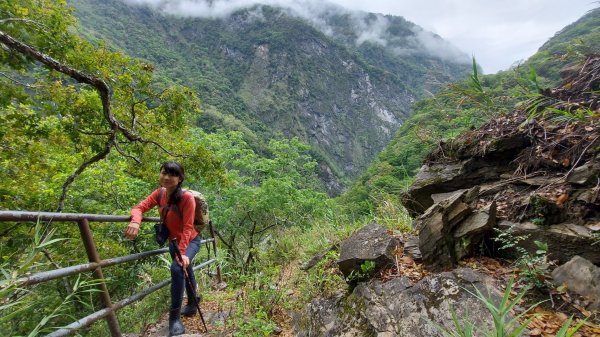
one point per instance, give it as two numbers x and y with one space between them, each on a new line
66 103
264 193
77 114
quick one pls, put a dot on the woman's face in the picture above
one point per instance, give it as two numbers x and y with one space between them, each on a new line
169 181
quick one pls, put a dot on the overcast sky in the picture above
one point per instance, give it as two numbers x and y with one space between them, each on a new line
497 32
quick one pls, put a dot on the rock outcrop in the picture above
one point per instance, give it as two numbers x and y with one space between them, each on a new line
538 178
449 229
399 307
581 277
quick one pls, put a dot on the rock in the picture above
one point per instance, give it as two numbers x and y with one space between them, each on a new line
581 277
565 240
450 229
584 174
371 243
399 308
435 231
443 196
411 248
317 258
430 180
473 229
442 178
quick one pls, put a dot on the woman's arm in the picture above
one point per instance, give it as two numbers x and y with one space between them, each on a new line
137 213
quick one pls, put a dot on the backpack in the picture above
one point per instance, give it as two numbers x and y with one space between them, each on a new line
201 213
201 216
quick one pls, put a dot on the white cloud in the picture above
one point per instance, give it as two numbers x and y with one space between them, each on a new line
497 32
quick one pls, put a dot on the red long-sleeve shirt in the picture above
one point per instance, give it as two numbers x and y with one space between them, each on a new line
181 227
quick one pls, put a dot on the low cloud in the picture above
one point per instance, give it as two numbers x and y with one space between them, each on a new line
439 47
367 28
374 31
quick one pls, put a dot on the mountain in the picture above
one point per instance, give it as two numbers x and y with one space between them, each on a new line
466 105
341 81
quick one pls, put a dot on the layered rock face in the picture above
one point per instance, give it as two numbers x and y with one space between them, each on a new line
535 179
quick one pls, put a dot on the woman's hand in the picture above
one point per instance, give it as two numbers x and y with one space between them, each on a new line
132 230
185 262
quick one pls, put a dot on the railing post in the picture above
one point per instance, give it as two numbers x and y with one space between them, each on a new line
92 253
214 243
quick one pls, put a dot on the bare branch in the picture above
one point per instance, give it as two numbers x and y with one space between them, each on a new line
125 154
99 156
162 148
100 85
19 83
104 91
581 156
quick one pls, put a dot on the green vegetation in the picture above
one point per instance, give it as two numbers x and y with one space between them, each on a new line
68 146
277 74
533 267
505 323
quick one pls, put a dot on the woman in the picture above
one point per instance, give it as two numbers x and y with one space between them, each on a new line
177 209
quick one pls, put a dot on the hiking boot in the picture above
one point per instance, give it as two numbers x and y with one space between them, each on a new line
190 308
175 326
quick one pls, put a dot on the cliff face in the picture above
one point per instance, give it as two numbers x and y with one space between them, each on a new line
277 74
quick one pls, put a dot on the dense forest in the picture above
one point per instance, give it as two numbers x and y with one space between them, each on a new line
86 121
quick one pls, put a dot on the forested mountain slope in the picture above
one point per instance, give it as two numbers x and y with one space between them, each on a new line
265 71
468 104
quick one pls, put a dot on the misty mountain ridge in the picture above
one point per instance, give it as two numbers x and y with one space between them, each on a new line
342 82
359 27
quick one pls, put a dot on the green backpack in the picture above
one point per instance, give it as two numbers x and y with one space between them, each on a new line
201 214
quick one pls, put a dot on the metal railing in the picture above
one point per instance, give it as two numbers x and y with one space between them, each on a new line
95 265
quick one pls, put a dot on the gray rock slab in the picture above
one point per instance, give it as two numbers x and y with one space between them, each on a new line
581 277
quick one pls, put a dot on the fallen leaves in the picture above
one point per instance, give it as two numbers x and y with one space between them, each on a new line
405 266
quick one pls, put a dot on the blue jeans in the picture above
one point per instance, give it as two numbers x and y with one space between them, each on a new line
177 278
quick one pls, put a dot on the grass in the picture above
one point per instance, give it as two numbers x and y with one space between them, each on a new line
504 324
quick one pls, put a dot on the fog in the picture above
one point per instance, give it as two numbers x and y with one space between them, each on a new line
374 31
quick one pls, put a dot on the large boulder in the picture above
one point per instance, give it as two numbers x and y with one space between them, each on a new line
400 307
370 243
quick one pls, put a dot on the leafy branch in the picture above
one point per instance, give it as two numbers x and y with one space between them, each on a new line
104 91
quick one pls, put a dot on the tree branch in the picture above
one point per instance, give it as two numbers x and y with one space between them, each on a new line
17 82
125 154
99 156
105 97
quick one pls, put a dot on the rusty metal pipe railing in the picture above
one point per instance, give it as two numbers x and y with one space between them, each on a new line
92 253
51 216
96 264
46 276
98 315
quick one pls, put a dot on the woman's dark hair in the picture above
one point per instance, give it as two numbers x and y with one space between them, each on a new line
173 168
